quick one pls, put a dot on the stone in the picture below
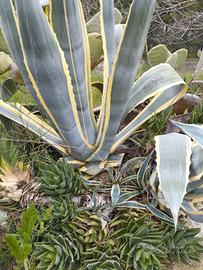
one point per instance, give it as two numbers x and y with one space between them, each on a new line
5 62
15 74
186 103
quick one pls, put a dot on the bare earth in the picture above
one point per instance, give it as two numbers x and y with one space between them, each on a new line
180 266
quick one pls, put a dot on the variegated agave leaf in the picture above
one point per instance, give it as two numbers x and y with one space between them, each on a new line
193 131
53 57
193 203
173 163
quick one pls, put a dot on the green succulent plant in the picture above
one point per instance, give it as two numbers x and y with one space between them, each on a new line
60 179
184 244
20 244
89 228
196 116
63 209
57 253
101 258
140 242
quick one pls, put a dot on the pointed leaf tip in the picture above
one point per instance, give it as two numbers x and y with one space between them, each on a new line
173 163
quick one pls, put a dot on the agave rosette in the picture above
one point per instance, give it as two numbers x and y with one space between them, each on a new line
53 57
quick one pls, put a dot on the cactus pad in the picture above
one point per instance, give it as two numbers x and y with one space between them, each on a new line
94 24
158 54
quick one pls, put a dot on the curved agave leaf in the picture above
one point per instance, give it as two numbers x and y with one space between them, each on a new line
121 79
159 214
74 42
108 36
164 97
195 187
141 174
109 47
194 131
132 205
173 162
22 116
152 83
196 168
9 28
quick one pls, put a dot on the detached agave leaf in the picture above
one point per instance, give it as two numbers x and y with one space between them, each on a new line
173 162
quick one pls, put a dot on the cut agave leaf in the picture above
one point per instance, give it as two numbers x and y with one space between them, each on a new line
173 163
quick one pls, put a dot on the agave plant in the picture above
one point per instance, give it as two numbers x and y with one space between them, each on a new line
184 244
53 57
140 242
57 253
60 179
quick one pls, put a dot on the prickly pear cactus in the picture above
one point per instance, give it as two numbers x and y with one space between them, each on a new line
158 54
94 24
96 49
182 55
172 60
199 53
